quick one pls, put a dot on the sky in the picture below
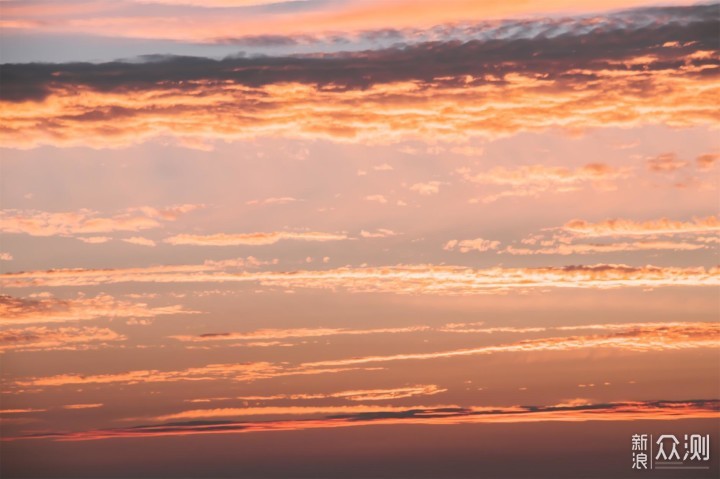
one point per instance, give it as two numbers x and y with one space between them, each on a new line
400 238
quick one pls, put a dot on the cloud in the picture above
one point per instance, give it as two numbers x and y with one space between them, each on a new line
83 406
15 311
351 395
377 198
626 227
644 236
5 256
21 411
272 334
94 239
465 246
707 161
139 240
398 279
389 394
427 189
383 167
41 338
664 163
568 249
638 338
281 200
535 179
240 372
379 233
466 328
485 88
252 239
616 411
286 411
72 223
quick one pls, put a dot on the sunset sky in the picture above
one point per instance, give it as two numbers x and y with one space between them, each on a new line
401 238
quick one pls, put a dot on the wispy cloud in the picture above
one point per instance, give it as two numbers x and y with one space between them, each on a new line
240 372
639 339
535 179
707 161
273 200
627 227
379 233
665 163
287 411
272 334
40 338
477 244
427 189
650 235
252 239
83 406
140 241
617 411
635 338
15 311
81 222
399 279
350 395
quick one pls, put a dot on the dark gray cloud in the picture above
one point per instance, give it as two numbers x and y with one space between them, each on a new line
424 415
570 56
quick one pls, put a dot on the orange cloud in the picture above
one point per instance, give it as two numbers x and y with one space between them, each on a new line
377 198
476 104
475 328
139 240
64 338
665 162
568 249
83 406
399 279
477 244
639 339
21 411
285 411
644 234
254 239
535 179
272 334
379 233
240 372
617 411
625 227
14 311
634 338
427 189
94 239
353 395
281 200
71 223
707 161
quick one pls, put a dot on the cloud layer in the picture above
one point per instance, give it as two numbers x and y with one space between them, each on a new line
400 279
619 411
659 72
